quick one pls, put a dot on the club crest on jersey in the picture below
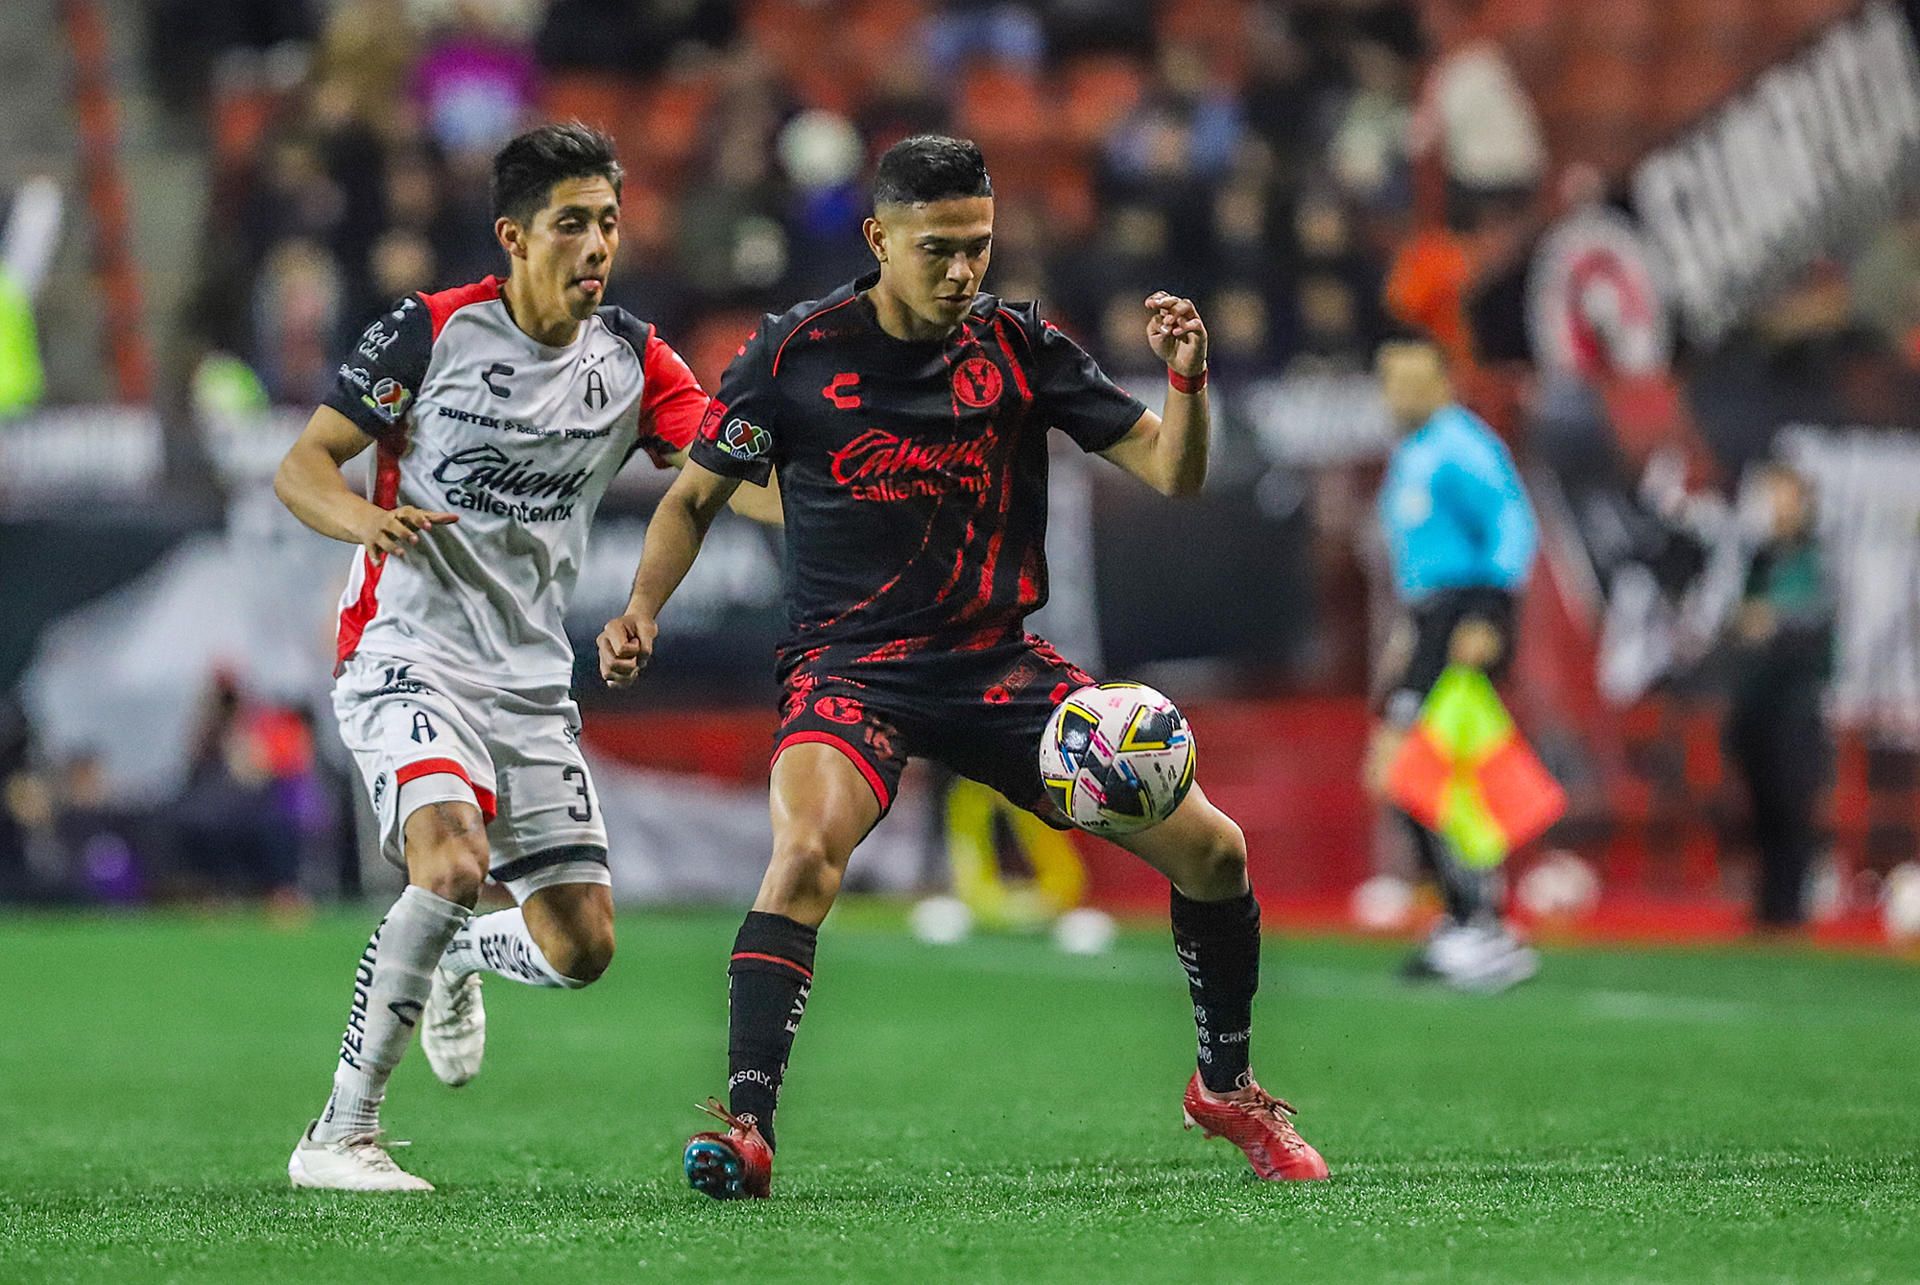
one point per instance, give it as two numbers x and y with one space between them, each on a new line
388 399
744 441
977 382
838 709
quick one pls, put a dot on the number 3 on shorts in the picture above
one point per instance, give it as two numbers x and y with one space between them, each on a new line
578 776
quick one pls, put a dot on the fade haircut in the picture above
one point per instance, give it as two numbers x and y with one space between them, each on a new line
525 170
930 167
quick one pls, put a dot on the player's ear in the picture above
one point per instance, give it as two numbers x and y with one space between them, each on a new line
876 235
511 236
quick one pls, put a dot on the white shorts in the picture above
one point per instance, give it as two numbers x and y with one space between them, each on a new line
424 736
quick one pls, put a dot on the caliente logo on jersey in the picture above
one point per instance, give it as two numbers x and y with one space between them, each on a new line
487 480
878 465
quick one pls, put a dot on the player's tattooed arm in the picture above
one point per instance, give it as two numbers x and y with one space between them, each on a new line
1169 453
310 484
674 536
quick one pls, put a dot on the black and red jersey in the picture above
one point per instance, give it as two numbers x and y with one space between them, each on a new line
914 474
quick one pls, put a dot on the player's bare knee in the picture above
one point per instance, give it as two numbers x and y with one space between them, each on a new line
447 852
1217 867
804 867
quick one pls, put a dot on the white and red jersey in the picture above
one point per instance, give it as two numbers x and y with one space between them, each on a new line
473 416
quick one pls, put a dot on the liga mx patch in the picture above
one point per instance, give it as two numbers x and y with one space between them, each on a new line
388 399
744 441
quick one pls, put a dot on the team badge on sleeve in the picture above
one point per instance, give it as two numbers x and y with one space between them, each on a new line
744 441
388 399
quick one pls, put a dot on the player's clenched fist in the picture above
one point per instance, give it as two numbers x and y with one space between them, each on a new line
626 645
1176 334
392 530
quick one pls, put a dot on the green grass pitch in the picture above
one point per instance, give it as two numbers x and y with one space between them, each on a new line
988 1112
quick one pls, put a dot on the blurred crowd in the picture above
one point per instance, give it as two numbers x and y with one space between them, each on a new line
258 816
1251 155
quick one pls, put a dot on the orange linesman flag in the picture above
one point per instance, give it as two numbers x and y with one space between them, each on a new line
1465 772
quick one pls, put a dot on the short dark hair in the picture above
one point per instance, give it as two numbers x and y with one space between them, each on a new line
1408 334
930 167
525 170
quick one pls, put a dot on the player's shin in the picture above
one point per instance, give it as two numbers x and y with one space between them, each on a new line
1219 946
769 978
500 943
390 988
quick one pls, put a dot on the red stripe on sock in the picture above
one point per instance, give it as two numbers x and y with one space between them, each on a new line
774 959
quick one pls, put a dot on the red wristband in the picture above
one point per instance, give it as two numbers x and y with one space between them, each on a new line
1187 383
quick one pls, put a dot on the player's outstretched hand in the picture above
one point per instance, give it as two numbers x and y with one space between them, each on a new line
393 530
626 645
1176 334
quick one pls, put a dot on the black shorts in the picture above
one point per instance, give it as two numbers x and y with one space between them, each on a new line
1432 622
979 713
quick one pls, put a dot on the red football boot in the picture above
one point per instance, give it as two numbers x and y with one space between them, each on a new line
1257 1123
734 1165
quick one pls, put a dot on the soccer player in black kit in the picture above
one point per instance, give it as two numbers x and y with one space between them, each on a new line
907 414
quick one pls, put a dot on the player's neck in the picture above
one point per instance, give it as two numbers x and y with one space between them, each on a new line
554 330
902 322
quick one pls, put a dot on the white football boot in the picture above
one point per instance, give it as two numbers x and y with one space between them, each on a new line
358 1162
453 1029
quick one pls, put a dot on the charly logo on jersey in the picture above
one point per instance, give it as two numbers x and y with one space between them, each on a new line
388 399
487 480
878 465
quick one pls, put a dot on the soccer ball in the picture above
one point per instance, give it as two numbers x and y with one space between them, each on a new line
1117 758
1085 931
1900 904
1560 886
941 921
1383 903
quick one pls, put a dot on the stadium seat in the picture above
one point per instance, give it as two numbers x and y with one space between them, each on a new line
999 106
595 98
1099 91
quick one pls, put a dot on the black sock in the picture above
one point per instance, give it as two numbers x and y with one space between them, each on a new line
768 981
1219 946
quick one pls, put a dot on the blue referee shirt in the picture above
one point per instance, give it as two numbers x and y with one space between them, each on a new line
1453 510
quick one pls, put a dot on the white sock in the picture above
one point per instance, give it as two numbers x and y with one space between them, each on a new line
500 943
390 989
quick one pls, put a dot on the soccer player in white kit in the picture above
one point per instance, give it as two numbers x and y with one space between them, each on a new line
499 412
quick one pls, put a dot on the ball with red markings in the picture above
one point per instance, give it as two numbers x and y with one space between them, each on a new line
1117 758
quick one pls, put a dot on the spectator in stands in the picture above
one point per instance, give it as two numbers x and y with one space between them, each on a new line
1476 116
236 829
1886 284
475 83
32 234
1783 653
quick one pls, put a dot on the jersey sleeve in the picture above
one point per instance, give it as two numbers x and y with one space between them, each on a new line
381 375
1071 391
1482 483
673 403
739 436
